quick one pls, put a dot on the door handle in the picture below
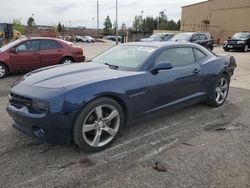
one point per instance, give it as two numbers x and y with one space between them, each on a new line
196 71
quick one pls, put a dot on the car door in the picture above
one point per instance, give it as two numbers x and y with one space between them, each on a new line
204 41
51 52
25 56
179 84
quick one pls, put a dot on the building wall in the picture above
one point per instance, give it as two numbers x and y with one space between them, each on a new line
222 18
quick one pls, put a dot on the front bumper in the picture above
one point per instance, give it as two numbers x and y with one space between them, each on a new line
234 46
54 128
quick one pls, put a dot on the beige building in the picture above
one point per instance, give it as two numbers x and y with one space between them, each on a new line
222 18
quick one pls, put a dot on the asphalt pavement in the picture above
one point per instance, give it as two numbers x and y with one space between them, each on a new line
198 146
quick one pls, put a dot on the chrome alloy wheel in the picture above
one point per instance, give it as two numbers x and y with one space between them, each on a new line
101 125
221 90
66 61
2 71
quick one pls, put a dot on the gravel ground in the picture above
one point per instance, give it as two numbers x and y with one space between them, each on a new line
198 146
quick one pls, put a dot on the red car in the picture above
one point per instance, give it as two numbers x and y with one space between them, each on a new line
31 53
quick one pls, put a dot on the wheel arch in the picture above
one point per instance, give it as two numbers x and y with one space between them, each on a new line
111 96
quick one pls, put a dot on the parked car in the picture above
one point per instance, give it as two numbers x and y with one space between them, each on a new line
203 38
239 41
87 39
112 37
31 53
89 103
161 37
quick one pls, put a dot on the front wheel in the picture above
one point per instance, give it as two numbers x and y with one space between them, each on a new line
98 124
246 48
3 70
219 93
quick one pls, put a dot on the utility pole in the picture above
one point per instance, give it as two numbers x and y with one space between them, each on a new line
97 18
116 22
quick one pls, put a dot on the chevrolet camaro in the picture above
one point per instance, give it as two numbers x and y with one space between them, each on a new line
90 103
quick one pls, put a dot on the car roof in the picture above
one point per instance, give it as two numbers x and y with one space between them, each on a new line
162 44
32 38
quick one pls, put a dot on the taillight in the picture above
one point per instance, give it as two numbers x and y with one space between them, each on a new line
81 51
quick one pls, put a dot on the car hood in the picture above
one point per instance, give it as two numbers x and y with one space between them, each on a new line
68 75
237 39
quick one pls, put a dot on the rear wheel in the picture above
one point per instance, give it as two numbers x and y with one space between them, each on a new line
67 60
98 124
220 92
3 70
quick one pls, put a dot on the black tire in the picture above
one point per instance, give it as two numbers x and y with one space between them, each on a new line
212 98
89 116
245 49
67 60
226 49
3 70
210 48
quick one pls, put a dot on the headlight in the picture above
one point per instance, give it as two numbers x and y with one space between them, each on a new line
241 42
39 106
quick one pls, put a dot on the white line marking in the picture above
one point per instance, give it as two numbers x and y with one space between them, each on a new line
133 140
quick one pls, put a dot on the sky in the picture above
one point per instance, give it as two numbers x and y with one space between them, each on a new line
84 12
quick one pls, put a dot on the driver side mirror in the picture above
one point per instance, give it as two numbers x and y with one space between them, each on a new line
13 50
193 39
165 65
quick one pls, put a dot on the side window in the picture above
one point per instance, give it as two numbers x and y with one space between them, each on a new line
195 37
49 44
177 56
166 37
29 46
199 54
203 37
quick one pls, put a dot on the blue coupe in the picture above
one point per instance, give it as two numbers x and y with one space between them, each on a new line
89 103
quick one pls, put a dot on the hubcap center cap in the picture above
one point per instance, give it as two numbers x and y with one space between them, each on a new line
101 125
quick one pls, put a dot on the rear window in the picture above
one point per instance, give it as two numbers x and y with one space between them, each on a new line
49 44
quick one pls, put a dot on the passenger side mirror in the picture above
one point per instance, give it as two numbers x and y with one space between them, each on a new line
229 38
165 65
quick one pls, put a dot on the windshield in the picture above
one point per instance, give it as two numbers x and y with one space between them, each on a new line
125 57
9 45
182 37
241 36
156 36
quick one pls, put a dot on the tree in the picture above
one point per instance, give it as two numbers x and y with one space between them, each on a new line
59 27
149 24
162 21
123 27
18 26
137 23
107 26
178 25
31 22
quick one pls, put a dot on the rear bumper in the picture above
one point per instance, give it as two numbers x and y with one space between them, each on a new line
79 58
54 128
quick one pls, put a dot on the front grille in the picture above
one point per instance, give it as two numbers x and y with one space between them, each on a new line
19 101
232 42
